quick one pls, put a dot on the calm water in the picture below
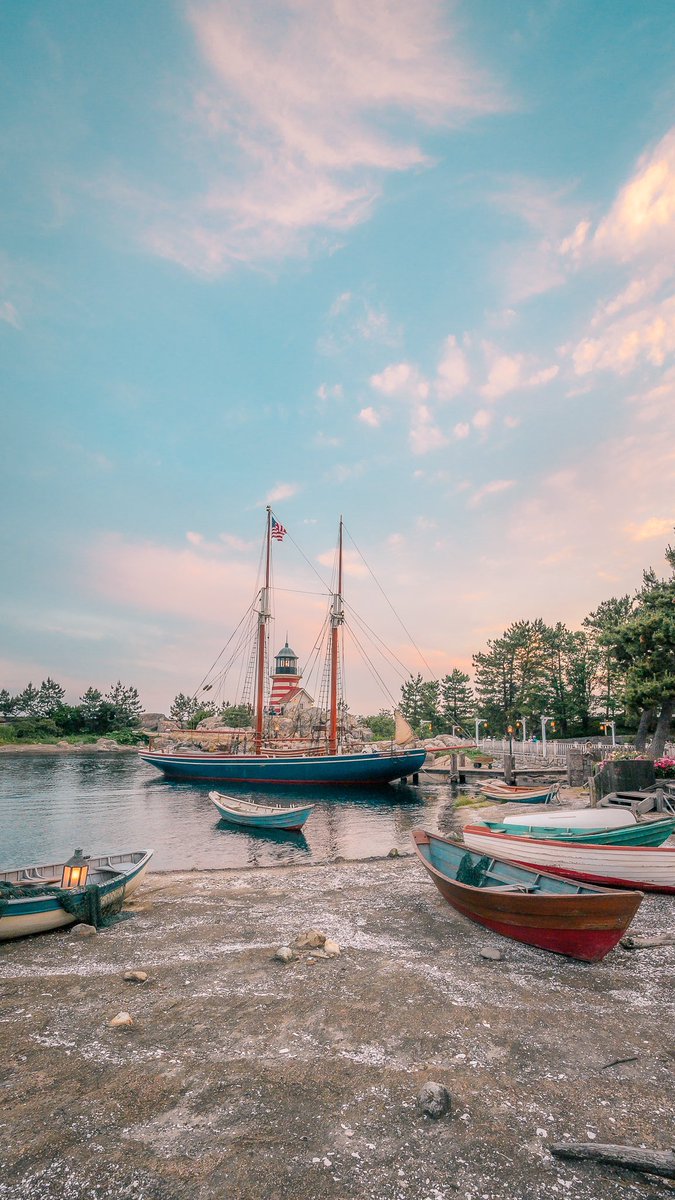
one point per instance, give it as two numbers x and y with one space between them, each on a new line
50 803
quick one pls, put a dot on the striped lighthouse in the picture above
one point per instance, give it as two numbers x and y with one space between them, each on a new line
286 678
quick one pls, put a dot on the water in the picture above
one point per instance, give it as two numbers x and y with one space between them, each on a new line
50 803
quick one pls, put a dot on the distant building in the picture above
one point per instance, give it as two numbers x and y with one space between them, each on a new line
286 690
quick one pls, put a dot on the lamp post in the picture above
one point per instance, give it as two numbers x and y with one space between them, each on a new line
610 725
479 722
544 721
75 871
509 730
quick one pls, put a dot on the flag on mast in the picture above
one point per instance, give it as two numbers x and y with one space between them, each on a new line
278 530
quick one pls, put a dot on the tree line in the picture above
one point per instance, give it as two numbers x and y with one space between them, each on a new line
620 666
41 713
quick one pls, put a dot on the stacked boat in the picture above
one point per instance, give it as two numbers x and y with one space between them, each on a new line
552 881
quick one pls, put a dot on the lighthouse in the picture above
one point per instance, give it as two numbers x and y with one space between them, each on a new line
285 679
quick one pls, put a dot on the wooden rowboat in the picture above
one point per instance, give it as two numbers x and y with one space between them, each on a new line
642 833
529 906
38 909
258 815
524 795
649 868
588 818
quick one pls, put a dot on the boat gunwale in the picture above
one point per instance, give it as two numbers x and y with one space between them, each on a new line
485 832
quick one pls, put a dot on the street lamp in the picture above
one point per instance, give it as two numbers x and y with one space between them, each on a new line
509 730
479 722
610 725
544 721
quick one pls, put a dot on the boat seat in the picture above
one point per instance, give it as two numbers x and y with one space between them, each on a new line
39 880
510 887
119 870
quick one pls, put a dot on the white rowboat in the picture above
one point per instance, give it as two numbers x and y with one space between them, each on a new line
646 868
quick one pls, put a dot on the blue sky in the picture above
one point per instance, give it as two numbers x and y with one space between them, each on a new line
411 263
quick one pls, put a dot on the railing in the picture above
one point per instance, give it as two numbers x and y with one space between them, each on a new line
556 750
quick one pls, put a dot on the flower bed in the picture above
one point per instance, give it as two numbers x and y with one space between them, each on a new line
664 768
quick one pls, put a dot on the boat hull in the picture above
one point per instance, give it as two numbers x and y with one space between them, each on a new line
524 796
649 868
590 818
249 815
585 925
302 770
40 914
648 833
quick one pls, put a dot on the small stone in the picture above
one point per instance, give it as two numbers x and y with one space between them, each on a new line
284 954
394 853
331 948
135 976
122 1018
311 940
433 1100
84 931
491 953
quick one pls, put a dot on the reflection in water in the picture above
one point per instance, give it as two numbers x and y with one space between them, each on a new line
50 803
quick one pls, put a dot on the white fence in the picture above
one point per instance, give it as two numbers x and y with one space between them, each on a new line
556 751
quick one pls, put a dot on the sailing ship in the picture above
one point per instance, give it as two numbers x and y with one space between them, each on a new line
331 762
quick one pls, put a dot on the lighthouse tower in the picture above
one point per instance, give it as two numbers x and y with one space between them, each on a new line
286 678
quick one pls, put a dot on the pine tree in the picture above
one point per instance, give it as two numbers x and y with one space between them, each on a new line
125 705
457 700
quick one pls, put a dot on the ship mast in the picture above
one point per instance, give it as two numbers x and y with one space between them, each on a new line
264 614
337 617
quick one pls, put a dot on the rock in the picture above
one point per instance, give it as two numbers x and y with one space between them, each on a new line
135 976
84 931
311 940
122 1019
394 853
331 948
284 954
491 953
433 1100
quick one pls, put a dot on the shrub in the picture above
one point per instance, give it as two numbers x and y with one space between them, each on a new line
664 768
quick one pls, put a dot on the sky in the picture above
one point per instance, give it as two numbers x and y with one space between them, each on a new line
409 263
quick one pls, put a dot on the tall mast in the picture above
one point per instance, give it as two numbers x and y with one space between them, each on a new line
337 617
264 614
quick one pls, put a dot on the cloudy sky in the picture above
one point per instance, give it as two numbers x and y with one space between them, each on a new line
409 262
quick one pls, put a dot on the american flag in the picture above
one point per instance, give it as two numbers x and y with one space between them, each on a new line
278 530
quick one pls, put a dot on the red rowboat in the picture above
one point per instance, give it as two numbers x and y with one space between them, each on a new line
531 906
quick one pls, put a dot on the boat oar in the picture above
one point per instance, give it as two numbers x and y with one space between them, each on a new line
654 1162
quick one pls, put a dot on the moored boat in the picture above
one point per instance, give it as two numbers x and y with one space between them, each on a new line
527 905
649 868
332 759
524 795
582 818
31 901
255 814
644 833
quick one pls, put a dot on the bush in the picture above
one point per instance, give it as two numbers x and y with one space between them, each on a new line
664 768
127 737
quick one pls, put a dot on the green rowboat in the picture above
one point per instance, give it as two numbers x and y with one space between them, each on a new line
645 833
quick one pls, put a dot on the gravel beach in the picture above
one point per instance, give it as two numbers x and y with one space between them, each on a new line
243 1078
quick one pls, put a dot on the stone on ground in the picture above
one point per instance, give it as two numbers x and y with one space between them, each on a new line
433 1099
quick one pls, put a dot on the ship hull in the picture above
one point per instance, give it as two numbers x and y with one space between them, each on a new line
306 770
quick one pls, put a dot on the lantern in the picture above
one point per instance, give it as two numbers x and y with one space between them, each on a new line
75 871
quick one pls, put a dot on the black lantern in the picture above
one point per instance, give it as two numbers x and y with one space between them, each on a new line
75 871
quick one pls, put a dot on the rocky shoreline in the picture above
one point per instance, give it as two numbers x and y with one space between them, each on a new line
244 1076
102 746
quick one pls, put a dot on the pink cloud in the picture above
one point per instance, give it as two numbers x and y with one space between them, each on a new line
652 527
401 379
368 416
490 489
453 370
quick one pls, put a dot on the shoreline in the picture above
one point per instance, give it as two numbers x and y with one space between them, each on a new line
242 1076
66 748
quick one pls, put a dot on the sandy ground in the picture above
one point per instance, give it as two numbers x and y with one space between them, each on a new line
242 1078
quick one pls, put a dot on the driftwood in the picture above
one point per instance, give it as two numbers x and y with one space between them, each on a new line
654 1162
647 943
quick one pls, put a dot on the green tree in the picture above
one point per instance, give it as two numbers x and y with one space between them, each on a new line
7 702
419 704
125 705
27 702
382 725
645 645
457 704
237 716
91 703
513 676
183 709
50 698
609 680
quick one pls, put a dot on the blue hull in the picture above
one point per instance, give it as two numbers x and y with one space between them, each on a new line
305 770
266 821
